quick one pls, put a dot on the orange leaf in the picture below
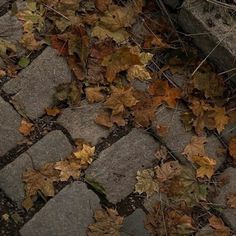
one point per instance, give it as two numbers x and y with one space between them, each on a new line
52 111
26 127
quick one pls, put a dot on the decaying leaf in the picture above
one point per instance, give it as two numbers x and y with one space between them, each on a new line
218 225
94 94
231 202
26 127
138 72
85 155
206 166
120 99
232 147
52 111
221 119
107 222
69 167
146 182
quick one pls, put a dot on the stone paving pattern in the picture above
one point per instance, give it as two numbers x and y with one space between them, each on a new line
72 209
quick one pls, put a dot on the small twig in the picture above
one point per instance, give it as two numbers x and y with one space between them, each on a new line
59 13
227 71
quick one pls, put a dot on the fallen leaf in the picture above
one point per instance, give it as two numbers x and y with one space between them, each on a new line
52 111
85 155
221 118
219 226
94 94
138 72
206 166
167 171
162 153
146 183
107 222
162 92
70 167
102 5
5 46
26 127
155 41
195 147
120 99
2 73
232 147
104 119
24 62
231 202
162 130
28 41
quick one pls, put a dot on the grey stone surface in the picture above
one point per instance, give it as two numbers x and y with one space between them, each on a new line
9 127
33 90
196 19
80 122
228 177
177 138
134 224
10 177
116 167
229 131
206 231
53 147
68 213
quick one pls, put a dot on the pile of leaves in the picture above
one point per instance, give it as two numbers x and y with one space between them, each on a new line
109 46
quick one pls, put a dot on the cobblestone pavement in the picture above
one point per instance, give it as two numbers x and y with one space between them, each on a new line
120 152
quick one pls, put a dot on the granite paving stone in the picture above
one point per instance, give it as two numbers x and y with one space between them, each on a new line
134 224
177 138
80 122
228 177
194 19
34 88
116 167
68 213
9 127
53 147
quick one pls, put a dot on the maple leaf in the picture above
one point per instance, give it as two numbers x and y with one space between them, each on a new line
138 72
120 99
221 119
85 155
39 180
70 167
52 111
107 222
94 94
218 225
231 202
162 92
206 166
146 183
26 127
196 147
167 171
232 147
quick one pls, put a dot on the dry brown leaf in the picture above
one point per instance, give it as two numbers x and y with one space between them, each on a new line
162 130
70 167
221 119
146 183
85 155
232 147
138 72
196 147
26 127
2 73
94 94
162 92
102 5
39 180
155 41
28 41
104 119
52 111
218 225
231 202
206 166
107 222
167 171
162 153
120 99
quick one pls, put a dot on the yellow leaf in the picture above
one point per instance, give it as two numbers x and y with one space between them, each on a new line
85 155
206 166
146 183
138 72
196 147
26 127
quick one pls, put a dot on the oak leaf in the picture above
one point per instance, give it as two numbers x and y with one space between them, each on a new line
85 155
26 127
232 147
107 222
146 182
120 99
206 166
